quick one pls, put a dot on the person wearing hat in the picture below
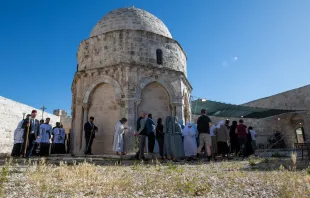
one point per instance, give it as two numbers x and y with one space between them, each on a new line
34 133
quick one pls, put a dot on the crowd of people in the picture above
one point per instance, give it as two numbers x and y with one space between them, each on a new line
33 137
177 141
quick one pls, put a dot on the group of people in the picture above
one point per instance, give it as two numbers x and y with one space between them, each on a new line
176 141
34 137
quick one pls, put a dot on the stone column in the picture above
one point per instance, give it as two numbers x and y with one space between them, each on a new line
131 116
128 111
179 110
76 129
72 135
85 119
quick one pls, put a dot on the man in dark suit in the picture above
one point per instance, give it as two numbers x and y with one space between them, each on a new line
33 133
90 129
150 127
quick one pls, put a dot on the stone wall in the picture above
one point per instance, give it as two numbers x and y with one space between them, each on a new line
11 113
65 120
130 46
106 111
296 99
155 100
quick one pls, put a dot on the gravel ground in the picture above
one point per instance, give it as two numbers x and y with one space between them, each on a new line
135 179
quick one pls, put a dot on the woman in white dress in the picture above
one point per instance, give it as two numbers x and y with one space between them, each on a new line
118 142
190 145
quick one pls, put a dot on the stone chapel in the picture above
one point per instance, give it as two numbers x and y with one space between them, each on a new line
129 64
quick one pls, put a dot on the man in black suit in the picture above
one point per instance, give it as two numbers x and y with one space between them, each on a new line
90 129
33 133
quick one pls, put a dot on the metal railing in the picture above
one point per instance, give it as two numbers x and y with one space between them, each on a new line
283 136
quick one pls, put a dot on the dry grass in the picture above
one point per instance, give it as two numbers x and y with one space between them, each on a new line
224 179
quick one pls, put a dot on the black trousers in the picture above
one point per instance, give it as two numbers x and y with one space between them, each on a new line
89 143
30 145
222 148
151 142
17 150
68 146
235 148
161 142
240 148
44 149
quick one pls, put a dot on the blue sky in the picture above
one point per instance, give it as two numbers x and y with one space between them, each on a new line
237 51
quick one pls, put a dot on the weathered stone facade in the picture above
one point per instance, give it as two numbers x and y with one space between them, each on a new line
118 76
11 113
296 99
130 47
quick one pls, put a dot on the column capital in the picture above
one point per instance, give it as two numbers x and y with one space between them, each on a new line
86 106
121 103
138 101
178 104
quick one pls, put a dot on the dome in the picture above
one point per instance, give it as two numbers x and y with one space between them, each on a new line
130 18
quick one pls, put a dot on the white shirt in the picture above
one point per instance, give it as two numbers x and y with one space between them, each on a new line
253 134
212 130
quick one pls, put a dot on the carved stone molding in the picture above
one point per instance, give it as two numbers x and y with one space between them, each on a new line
79 101
86 106
121 103
99 80
138 101
178 104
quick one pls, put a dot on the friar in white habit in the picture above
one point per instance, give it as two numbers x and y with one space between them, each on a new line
59 139
18 139
45 136
119 140
190 144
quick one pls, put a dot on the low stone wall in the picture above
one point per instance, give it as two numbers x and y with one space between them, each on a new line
11 113
281 153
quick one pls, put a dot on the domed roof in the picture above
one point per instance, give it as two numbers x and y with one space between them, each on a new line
130 18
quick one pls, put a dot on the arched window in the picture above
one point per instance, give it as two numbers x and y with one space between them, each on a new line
159 56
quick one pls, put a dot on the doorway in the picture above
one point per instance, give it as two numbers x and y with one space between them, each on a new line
300 135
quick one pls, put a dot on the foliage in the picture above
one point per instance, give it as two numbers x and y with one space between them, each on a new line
153 179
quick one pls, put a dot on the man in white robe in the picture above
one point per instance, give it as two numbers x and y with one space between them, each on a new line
118 142
190 145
